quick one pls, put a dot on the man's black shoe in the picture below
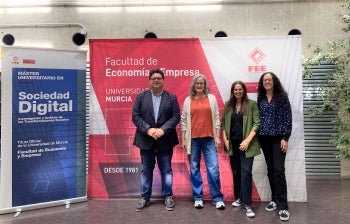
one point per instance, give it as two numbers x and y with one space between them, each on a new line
143 203
169 203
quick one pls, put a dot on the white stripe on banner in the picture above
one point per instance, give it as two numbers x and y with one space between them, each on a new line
245 59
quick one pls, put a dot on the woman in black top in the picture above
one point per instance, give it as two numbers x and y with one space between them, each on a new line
275 130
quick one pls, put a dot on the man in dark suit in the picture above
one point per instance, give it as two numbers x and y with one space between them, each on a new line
156 113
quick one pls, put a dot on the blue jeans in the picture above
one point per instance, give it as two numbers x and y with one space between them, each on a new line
242 174
148 160
207 147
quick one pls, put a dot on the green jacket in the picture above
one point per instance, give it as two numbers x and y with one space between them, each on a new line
251 121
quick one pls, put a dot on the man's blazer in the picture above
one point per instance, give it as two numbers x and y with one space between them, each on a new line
168 118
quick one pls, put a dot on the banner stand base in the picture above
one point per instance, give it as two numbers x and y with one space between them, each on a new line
66 203
17 213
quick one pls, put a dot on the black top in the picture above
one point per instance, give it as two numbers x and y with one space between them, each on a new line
236 126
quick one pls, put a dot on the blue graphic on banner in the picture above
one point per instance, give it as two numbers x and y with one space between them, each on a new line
48 129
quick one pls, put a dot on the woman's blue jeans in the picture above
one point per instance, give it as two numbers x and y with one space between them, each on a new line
207 147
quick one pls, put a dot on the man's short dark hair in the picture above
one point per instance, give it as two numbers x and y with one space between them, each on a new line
157 70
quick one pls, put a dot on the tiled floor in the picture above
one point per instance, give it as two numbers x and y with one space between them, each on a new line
328 203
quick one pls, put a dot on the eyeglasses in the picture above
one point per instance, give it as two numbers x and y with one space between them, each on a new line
267 80
156 78
199 83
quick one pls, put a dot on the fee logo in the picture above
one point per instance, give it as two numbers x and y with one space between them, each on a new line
257 55
15 60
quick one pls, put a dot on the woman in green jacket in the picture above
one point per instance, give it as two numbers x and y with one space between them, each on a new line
240 124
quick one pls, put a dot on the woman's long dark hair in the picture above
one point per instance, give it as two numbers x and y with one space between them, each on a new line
278 91
233 100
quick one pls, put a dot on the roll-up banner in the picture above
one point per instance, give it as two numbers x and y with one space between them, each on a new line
119 71
43 128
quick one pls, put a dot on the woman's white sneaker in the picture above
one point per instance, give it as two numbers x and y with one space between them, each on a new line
220 205
271 206
237 203
198 204
248 211
284 215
